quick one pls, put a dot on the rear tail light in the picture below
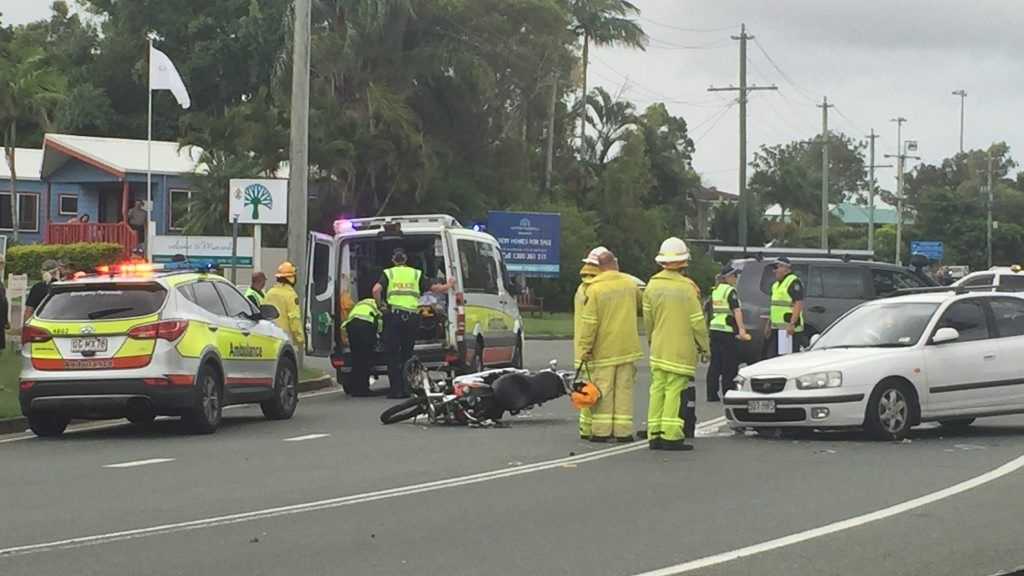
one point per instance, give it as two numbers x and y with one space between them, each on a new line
451 358
337 362
30 334
460 315
169 330
26 384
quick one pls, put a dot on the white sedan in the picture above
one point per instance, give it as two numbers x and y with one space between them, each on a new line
890 364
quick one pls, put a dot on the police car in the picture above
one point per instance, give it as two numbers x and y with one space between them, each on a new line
946 355
1006 278
136 341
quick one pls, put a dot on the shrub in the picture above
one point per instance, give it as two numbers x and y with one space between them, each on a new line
28 258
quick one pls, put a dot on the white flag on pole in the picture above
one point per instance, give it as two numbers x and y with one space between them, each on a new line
164 76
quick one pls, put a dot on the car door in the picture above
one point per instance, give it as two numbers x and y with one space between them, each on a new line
961 372
509 308
1008 321
1011 282
832 290
480 282
321 308
257 349
231 341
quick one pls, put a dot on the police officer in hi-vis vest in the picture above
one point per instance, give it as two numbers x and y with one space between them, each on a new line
398 293
726 327
787 308
363 324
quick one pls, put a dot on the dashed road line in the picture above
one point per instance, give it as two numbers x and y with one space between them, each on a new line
137 463
97 539
306 437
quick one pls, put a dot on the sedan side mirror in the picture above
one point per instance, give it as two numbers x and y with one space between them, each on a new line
945 335
814 338
269 312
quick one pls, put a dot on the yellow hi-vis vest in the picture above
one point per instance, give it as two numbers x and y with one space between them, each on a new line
403 288
782 305
254 296
367 311
720 311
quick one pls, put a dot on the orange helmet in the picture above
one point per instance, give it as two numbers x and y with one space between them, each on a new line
286 270
585 396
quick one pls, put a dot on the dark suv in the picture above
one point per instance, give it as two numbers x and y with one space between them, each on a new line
832 287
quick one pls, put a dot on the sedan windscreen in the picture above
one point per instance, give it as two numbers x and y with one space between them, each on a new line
102 301
878 326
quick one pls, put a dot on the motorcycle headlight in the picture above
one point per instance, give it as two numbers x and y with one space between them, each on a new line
740 382
820 380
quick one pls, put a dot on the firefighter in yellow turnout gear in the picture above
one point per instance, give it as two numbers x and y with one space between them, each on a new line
587 274
678 335
283 297
610 344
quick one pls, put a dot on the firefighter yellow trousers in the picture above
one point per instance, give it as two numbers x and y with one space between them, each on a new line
613 413
664 417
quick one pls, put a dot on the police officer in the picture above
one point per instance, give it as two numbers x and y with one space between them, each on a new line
283 297
726 326
255 291
363 324
787 308
398 291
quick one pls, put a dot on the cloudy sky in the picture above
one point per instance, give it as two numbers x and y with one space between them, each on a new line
873 59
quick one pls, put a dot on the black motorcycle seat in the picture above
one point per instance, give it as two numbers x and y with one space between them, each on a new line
518 391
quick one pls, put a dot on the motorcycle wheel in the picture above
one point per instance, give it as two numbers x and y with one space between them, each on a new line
409 409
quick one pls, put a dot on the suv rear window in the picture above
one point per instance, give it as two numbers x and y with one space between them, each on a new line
102 301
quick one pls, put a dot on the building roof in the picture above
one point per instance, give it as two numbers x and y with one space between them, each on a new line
117 156
27 162
713 194
850 214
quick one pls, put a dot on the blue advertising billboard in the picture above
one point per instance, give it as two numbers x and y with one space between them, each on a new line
933 250
529 241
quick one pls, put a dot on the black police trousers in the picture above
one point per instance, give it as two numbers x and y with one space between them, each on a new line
362 340
400 329
725 363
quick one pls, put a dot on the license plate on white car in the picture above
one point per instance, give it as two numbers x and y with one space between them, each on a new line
90 344
761 406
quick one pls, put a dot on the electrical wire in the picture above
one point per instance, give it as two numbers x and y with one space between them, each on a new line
683 29
715 123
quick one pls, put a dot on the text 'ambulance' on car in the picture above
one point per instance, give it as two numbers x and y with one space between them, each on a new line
138 341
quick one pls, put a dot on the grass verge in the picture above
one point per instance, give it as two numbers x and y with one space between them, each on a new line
553 325
10 367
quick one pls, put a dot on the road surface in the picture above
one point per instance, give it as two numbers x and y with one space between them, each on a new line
334 492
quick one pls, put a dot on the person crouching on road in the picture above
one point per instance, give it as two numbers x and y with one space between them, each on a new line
363 325
678 334
726 327
609 343
283 297
588 272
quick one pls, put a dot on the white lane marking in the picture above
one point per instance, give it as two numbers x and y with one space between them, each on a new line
306 437
119 423
327 504
708 561
137 463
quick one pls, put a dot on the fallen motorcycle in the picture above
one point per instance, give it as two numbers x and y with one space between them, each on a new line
478 399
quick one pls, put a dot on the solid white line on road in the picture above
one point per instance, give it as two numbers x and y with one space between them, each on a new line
329 503
118 423
708 561
137 463
306 437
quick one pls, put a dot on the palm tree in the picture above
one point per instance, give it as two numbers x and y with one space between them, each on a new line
613 119
605 23
29 90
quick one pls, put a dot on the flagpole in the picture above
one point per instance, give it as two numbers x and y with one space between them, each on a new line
149 151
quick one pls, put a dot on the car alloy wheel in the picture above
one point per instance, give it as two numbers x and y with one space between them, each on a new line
893 411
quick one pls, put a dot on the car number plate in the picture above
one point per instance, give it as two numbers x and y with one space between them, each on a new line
761 406
89 364
90 344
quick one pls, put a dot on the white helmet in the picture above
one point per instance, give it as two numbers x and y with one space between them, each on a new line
594 257
673 251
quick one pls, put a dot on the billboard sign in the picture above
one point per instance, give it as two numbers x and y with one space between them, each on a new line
215 249
529 241
933 250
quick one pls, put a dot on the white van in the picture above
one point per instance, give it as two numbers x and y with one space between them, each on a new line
476 326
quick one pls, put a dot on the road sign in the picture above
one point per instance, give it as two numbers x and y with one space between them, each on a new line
933 250
258 201
216 249
911 145
529 241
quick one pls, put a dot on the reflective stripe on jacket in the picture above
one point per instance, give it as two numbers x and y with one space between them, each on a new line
674 322
608 322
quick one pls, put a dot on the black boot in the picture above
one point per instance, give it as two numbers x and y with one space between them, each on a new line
676 445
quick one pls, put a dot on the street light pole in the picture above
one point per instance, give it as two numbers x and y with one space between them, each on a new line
899 120
963 96
298 157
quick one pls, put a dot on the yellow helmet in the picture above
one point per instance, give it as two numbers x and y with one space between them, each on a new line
286 270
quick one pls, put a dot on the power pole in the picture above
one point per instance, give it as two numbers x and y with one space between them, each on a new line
963 96
872 185
824 171
551 133
901 157
298 157
990 197
743 89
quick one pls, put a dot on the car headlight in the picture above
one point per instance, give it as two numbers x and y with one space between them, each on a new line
740 382
820 380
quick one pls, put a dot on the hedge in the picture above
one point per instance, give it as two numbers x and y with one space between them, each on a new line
29 258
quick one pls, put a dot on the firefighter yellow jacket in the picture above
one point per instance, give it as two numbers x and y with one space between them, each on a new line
283 297
587 274
674 322
608 325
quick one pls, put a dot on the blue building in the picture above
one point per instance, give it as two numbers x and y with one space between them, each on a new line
102 178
